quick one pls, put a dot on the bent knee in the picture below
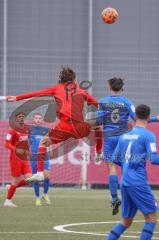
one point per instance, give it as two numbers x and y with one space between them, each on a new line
151 217
127 222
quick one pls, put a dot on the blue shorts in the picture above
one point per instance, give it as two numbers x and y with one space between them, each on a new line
110 144
33 164
137 198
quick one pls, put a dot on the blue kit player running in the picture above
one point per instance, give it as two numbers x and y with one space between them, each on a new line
114 114
132 152
36 134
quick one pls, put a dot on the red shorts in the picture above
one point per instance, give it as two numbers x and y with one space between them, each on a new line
65 130
19 167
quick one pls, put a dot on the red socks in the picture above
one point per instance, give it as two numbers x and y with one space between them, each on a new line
99 140
11 192
22 183
41 158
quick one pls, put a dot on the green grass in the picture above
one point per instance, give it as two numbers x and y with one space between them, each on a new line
28 222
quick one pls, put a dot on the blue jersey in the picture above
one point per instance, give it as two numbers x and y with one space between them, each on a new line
132 151
114 113
36 133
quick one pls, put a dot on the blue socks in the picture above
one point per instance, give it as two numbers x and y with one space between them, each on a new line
116 232
46 185
113 186
147 231
36 189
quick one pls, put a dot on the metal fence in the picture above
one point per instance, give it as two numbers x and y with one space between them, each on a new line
37 37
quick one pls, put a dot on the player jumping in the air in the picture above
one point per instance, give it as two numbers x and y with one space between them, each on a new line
114 113
70 99
132 152
36 133
17 143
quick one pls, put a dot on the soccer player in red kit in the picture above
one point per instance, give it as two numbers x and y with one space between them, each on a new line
17 143
70 99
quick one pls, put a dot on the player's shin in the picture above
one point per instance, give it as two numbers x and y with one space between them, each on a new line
46 189
37 189
113 186
41 158
39 176
22 183
147 231
99 141
116 232
46 185
11 192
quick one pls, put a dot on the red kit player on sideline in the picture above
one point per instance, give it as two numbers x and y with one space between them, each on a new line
17 143
70 99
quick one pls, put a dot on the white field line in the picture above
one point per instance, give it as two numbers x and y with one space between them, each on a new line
62 228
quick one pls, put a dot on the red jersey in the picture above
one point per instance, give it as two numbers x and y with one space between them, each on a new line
17 142
69 97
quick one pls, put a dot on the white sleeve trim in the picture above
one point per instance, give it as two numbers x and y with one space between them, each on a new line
153 147
133 108
8 137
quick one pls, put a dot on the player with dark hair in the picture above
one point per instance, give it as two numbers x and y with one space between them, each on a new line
114 113
17 143
116 84
36 133
67 75
70 99
132 151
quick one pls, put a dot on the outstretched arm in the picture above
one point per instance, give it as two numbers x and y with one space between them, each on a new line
91 116
152 149
131 108
91 100
43 92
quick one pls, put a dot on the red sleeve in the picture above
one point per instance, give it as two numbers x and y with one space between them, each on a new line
91 100
42 92
9 140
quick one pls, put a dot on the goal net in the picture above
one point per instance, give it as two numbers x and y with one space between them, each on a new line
72 161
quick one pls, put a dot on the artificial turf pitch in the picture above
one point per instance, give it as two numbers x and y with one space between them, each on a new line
68 206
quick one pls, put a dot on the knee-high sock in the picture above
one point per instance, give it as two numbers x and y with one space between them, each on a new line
37 189
12 189
99 140
41 158
147 231
113 186
11 192
116 232
46 185
22 183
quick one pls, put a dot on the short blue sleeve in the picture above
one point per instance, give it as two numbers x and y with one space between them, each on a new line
153 119
152 149
131 108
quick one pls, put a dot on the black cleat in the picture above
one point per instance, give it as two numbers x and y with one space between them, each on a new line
115 206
